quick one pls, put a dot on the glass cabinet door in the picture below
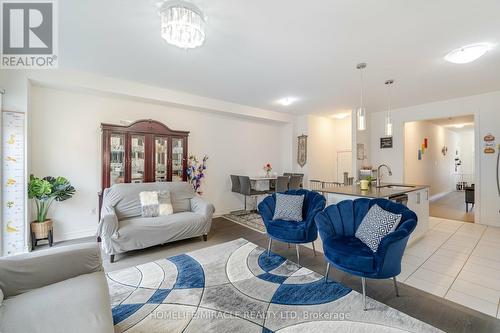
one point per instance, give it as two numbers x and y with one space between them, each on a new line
177 160
137 154
160 159
117 159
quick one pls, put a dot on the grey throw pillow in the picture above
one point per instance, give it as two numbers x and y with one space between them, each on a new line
376 224
288 207
165 203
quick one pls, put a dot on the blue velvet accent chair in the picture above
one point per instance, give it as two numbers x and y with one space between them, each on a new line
293 232
337 226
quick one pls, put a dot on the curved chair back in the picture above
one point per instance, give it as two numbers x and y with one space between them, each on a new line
235 184
295 182
313 204
282 183
245 187
344 218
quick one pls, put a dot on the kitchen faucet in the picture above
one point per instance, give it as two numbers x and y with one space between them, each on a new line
379 175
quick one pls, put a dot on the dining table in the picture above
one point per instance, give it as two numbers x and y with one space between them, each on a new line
262 183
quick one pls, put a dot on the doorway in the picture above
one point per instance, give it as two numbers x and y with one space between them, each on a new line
440 153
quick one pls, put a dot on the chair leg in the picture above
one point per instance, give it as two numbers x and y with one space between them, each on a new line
288 245
298 255
314 249
396 286
269 246
245 202
112 258
327 271
363 284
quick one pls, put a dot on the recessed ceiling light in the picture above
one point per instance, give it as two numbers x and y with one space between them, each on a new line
468 53
341 115
286 101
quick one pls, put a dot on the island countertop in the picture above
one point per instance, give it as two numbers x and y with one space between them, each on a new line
386 190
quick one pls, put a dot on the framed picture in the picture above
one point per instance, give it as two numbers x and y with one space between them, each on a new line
302 150
386 142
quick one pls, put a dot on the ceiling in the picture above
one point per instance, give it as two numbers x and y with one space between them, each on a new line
259 51
450 122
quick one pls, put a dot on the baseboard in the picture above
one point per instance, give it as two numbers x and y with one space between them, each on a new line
439 195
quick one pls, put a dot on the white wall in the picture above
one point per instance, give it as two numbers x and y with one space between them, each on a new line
326 136
65 141
486 111
434 169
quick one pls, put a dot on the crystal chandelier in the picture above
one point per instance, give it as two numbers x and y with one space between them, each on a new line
182 24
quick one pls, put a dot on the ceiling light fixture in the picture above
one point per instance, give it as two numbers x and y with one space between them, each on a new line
468 53
286 101
182 24
361 112
388 119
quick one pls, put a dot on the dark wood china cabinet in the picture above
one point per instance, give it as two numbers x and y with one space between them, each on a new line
144 151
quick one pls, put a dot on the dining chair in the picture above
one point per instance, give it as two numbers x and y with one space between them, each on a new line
246 189
294 183
235 184
282 183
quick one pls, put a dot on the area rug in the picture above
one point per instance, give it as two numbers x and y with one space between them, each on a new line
250 220
237 287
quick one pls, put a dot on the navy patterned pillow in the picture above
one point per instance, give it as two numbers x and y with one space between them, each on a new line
375 225
288 207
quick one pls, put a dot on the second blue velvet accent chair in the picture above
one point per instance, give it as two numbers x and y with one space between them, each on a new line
337 226
293 232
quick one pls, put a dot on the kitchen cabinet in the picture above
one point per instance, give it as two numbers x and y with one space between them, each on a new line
418 201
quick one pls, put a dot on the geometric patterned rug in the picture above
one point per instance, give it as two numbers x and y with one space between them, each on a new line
237 287
249 220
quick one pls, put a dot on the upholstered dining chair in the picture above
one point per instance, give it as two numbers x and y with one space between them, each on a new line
337 226
295 182
293 232
282 183
247 190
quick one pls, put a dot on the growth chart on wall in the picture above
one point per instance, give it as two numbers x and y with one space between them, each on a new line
13 189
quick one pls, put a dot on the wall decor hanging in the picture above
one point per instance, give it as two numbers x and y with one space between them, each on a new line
386 142
444 150
302 150
489 144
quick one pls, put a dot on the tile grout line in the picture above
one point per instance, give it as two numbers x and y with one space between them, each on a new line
468 257
435 250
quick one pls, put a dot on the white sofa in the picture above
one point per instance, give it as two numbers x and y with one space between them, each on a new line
61 289
122 228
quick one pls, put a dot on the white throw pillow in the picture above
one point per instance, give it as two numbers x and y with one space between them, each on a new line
288 207
149 203
376 224
165 203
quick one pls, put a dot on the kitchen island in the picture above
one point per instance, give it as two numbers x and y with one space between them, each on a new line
416 197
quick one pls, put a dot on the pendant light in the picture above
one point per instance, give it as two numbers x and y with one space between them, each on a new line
361 111
388 118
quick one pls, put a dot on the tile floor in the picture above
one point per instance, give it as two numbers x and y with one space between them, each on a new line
458 261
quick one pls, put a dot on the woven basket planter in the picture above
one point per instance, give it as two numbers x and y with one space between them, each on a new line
41 229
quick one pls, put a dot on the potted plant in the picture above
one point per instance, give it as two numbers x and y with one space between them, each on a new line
44 191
